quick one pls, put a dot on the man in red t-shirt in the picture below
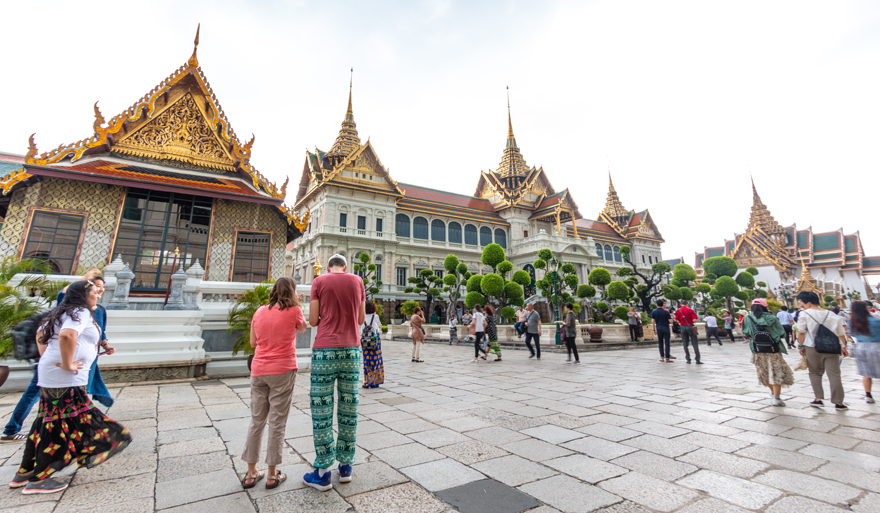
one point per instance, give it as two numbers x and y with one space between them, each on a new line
686 317
337 308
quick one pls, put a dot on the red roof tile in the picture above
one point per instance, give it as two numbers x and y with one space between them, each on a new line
459 200
169 176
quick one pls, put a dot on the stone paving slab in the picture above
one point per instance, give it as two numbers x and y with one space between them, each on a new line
620 434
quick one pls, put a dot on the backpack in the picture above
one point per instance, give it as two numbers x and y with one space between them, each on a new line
369 340
24 337
824 340
762 339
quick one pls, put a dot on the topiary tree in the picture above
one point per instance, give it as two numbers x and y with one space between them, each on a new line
372 283
493 254
567 282
745 280
621 312
455 279
425 283
686 294
752 270
720 266
495 286
683 275
828 298
615 291
726 287
648 290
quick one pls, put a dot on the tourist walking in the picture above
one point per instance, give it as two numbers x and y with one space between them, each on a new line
686 317
521 315
822 339
12 432
533 330
660 318
492 333
570 333
765 333
68 428
371 347
711 329
273 374
785 319
337 308
453 330
418 333
865 328
633 320
479 324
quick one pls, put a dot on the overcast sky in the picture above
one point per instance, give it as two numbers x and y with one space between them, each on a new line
681 100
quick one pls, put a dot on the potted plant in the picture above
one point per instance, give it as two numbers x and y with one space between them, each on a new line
241 313
22 300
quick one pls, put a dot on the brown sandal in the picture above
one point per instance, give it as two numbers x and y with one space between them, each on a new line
278 478
253 479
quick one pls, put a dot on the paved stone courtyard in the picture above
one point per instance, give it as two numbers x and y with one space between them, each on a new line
621 433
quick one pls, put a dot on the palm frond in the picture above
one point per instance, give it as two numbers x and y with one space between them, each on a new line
241 314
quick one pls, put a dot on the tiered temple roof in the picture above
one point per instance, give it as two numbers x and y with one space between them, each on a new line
766 242
176 137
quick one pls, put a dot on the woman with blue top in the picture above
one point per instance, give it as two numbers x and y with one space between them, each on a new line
865 329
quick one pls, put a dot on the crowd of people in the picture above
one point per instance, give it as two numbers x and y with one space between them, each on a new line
70 429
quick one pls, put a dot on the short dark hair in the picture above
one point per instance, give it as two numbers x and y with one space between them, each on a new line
784 308
370 307
808 297
660 303
337 261
569 305
836 310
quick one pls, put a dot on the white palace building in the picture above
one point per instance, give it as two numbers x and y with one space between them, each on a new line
356 206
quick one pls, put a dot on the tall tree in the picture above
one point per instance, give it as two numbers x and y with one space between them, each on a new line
425 283
567 282
455 279
372 283
646 292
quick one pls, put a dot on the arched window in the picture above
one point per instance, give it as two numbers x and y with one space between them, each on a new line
501 238
401 225
420 228
470 234
485 236
454 232
608 255
438 230
599 250
617 257
650 259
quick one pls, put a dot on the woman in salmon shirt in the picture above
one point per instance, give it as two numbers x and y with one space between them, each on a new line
273 374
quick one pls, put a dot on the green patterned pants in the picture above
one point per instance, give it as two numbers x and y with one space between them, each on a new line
341 365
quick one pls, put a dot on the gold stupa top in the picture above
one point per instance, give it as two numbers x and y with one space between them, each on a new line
761 217
807 282
613 206
348 141
512 162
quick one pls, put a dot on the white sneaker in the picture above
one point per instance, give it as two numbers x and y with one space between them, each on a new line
777 402
869 400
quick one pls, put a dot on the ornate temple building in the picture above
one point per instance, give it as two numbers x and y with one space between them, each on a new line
356 206
165 182
790 260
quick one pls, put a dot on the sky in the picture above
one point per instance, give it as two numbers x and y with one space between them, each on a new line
680 101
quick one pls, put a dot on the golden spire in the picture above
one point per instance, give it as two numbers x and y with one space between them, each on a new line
512 162
194 61
348 141
614 208
761 217
807 282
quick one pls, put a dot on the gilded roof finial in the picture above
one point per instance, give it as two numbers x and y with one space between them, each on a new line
614 210
761 216
509 123
99 119
349 115
32 148
512 162
348 141
194 61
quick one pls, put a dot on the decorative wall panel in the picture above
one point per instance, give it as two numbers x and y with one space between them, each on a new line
16 218
229 215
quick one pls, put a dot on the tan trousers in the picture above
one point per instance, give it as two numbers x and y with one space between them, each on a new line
417 349
820 364
271 397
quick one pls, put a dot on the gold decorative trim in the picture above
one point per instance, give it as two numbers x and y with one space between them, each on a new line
9 181
118 223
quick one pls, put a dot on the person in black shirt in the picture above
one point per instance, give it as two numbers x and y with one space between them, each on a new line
660 319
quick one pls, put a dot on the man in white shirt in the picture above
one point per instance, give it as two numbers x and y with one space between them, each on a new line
785 319
711 329
808 325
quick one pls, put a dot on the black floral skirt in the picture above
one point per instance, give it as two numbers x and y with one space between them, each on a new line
70 429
